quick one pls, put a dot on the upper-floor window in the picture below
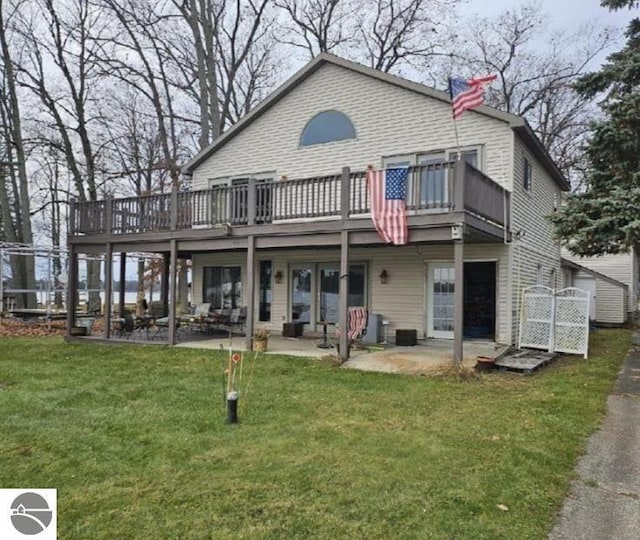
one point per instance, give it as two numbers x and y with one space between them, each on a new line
470 156
327 126
527 181
229 203
432 189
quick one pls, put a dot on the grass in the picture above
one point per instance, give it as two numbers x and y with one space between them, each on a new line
134 440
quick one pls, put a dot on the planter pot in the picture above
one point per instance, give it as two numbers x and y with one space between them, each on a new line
485 363
260 345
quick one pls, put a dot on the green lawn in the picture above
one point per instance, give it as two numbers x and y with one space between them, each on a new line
134 440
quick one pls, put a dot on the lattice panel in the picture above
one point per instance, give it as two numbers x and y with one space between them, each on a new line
536 321
572 321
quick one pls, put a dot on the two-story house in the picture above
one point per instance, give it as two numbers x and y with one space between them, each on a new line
279 215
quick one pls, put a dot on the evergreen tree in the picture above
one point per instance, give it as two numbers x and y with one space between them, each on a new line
606 217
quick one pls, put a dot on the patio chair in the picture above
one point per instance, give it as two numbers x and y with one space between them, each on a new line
202 310
237 318
128 325
196 320
358 317
162 328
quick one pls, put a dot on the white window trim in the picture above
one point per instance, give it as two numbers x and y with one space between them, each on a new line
479 148
228 180
414 157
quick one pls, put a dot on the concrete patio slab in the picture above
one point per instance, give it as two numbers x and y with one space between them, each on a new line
426 357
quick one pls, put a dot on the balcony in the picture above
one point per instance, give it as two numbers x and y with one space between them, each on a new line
432 190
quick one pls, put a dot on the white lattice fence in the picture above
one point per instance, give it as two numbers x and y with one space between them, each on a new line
536 319
555 321
571 333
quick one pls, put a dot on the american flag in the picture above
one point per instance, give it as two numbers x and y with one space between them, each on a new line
467 94
388 190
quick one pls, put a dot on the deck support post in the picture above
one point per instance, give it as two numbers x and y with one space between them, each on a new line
164 285
72 288
344 295
250 298
1 281
123 281
173 274
458 323
345 192
108 289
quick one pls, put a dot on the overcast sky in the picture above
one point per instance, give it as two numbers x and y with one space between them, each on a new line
564 13
569 14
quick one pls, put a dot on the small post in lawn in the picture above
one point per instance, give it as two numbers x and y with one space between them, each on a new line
232 407
233 385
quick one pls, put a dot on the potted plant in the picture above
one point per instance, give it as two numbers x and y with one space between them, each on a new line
260 339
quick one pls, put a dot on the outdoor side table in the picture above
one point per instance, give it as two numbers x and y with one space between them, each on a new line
324 344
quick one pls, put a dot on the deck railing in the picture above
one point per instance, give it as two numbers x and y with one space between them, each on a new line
441 187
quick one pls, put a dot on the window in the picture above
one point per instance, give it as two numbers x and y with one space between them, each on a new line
239 198
264 308
434 188
552 278
431 189
327 126
528 175
222 286
229 204
329 287
539 275
470 156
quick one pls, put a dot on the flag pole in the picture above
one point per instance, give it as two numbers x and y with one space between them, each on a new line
455 129
455 123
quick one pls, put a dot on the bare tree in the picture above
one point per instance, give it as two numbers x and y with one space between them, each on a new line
14 185
233 44
396 32
134 148
203 18
316 26
385 34
135 54
59 68
534 80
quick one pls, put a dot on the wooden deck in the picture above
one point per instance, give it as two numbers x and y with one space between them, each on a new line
524 361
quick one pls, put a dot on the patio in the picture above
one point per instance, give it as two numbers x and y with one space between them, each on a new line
427 356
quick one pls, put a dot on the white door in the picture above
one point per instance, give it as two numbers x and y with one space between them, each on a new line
440 300
588 284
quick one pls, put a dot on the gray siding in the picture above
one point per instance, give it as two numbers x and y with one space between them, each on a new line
529 214
402 300
622 267
610 300
389 120
611 303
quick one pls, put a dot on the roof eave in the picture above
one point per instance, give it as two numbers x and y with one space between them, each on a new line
308 70
255 113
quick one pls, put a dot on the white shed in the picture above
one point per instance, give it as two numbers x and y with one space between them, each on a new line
609 297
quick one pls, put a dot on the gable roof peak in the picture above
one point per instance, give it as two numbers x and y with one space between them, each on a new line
517 123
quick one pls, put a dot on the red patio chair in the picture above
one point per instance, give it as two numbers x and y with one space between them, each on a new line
358 319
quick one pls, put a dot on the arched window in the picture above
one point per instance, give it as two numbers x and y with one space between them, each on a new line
327 126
